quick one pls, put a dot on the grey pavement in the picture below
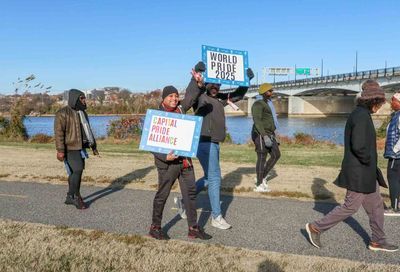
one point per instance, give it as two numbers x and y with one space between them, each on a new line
258 223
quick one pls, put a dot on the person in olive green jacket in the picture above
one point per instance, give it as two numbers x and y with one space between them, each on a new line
263 136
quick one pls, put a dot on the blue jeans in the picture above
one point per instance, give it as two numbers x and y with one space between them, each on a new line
208 155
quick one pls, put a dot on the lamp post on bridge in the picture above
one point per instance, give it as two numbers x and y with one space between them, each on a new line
322 67
385 67
356 61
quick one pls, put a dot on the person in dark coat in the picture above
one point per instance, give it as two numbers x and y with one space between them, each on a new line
359 173
171 167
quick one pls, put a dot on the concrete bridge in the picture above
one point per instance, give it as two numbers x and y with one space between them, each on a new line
323 96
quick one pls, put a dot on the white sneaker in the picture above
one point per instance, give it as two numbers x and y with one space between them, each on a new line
262 188
220 223
265 180
181 209
265 185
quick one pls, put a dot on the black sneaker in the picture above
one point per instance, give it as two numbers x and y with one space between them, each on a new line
81 204
157 233
69 200
77 201
198 232
382 247
314 235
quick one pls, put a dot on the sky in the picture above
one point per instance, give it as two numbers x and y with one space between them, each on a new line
146 45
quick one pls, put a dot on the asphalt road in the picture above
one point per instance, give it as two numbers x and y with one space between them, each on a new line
262 224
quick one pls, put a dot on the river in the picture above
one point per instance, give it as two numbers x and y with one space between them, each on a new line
239 127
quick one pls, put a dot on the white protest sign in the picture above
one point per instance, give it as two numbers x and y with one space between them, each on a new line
164 132
225 66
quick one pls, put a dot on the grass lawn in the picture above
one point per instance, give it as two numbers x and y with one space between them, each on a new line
301 155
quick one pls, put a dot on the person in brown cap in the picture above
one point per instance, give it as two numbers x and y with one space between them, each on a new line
263 136
359 173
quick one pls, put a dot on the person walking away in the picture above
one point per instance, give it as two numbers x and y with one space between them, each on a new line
392 153
73 135
264 137
359 173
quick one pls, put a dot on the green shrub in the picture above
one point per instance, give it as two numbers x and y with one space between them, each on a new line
14 128
228 139
125 128
4 125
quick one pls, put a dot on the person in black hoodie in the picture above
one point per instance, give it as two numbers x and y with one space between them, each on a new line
210 106
73 135
171 167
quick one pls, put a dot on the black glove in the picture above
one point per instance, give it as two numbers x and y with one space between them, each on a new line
200 67
250 73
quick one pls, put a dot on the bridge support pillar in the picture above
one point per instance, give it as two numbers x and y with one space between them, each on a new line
320 105
280 104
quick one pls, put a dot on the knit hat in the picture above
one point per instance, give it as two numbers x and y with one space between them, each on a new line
169 90
265 87
371 91
369 83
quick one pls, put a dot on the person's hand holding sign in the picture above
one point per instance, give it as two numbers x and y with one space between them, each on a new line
171 156
197 73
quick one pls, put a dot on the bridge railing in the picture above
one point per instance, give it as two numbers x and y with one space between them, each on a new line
370 74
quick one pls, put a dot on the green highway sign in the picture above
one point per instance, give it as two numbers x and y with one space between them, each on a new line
303 71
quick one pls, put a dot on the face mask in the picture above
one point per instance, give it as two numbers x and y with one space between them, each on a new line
80 105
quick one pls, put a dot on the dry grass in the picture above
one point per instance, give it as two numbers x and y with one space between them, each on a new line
137 171
288 194
60 178
238 190
41 139
36 247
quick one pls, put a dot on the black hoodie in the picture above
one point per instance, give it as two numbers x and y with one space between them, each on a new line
73 99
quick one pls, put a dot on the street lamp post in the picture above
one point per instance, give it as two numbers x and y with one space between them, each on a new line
356 61
322 67
385 67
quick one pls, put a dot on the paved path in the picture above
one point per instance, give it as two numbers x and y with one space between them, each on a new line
263 224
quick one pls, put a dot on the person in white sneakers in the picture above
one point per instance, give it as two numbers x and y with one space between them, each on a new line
210 106
263 136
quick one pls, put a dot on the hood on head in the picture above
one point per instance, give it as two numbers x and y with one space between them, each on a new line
73 97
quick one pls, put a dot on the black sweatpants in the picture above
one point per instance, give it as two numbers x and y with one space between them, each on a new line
393 176
166 179
263 166
76 164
